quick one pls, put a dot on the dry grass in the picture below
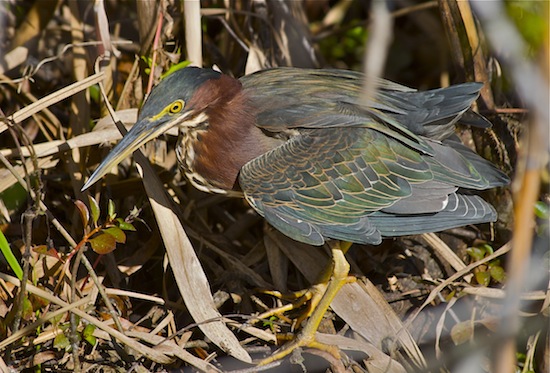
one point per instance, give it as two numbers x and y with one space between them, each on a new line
183 290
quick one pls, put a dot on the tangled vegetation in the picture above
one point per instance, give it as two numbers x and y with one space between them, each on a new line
145 273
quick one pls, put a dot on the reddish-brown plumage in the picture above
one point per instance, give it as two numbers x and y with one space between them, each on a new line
232 138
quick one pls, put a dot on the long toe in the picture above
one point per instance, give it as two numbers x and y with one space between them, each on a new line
306 338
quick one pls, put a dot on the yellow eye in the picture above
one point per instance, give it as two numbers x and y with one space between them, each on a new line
176 106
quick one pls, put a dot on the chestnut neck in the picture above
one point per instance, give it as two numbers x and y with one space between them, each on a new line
231 139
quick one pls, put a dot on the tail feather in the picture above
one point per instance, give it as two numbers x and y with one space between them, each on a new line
433 113
460 210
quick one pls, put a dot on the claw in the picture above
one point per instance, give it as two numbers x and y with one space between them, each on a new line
309 297
321 297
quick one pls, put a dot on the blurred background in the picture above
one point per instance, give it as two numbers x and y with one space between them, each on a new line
50 149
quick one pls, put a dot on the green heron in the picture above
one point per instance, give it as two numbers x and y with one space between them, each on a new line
317 165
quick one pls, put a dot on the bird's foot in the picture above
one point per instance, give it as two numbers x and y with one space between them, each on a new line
321 297
309 297
303 339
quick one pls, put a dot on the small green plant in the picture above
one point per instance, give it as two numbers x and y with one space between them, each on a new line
270 323
62 342
491 271
149 61
176 67
102 237
347 45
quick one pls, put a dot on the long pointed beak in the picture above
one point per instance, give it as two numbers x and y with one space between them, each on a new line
143 131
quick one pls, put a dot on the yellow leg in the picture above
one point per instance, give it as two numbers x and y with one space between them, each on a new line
310 296
300 298
306 337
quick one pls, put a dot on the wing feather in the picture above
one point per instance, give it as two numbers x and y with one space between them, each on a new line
338 196
360 173
360 185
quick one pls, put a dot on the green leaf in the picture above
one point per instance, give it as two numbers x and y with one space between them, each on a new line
95 93
88 330
61 342
10 257
176 67
270 322
111 210
84 212
497 273
148 60
88 334
95 209
542 210
103 243
450 296
488 249
125 226
117 233
476 253
483 278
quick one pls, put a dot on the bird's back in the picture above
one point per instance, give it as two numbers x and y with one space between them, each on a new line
359 174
